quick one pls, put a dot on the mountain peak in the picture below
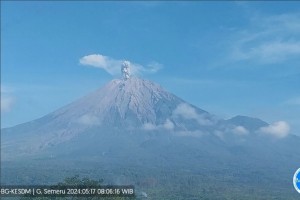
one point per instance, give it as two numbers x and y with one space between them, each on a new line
250 123
127 102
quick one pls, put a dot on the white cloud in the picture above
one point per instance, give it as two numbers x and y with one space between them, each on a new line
168 125
7 100
6 103
113 66
153 67
149 127
268 40
293 101
185 111
240 130
278 129
219 134
188 112
89 120
288 21
269 52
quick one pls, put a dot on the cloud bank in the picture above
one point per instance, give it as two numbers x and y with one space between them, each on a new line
294 101
278 129
7 100
113 66
268 40
6 103
240 130
168 125
188 112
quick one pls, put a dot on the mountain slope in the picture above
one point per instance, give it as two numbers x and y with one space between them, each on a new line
132 104
132 130
249 123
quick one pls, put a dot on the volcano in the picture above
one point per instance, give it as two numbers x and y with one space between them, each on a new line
133 131
128 105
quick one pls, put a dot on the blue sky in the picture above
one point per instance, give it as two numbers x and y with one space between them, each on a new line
229 58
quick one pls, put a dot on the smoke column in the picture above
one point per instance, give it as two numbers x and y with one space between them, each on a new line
125 70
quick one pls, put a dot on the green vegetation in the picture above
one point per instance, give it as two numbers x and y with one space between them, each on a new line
196 182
